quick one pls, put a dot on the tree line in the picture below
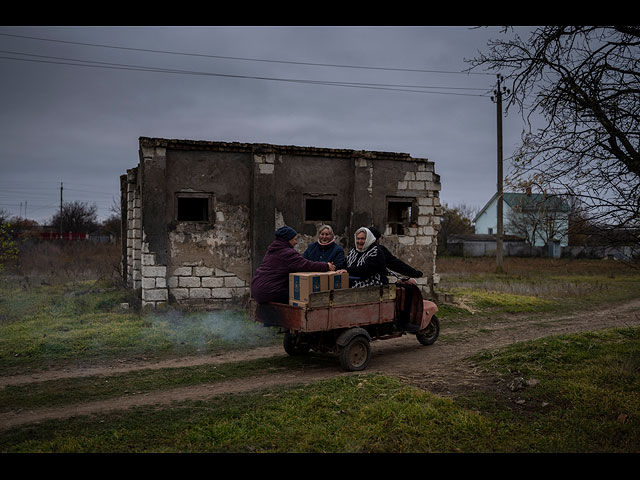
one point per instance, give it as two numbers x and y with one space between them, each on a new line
74 216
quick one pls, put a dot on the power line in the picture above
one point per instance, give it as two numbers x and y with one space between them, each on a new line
248 59
117 66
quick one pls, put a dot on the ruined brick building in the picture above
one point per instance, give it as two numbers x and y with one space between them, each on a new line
198 216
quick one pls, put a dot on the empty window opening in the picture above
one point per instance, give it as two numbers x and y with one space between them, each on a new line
318 210
399 217
193 209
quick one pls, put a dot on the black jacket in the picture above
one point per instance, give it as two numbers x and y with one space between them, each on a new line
395 264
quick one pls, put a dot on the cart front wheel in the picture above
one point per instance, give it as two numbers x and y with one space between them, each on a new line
429 335
355 355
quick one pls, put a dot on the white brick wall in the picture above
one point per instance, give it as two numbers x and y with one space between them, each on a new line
134 233
204 283
154 279
423 186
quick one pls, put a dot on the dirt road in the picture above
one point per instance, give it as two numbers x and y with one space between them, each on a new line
441 368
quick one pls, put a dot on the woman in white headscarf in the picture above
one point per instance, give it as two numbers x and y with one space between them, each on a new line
366 263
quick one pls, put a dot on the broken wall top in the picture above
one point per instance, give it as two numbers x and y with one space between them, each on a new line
269 148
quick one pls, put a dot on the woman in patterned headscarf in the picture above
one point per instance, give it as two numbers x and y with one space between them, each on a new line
366 263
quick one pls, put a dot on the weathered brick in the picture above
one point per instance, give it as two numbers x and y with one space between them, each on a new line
406 240
182 271
212 282
423 210
202 271
233 282
189 282
424 240
266 168
158 271
180 293
155 295
221 293
148 259
200 293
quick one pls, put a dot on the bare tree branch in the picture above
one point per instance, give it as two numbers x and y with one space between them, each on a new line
578 89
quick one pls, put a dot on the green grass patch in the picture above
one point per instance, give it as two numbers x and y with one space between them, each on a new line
543 291
60 392
573 393
570 393
579 396
49 326
365 413
504 302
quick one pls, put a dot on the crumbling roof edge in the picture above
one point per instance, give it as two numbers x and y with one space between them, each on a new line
270 148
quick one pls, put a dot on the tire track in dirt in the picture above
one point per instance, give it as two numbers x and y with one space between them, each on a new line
441 368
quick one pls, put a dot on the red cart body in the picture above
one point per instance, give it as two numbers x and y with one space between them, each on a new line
335 320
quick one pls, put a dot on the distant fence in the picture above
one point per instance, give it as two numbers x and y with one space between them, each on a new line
68 236
60 236
481 247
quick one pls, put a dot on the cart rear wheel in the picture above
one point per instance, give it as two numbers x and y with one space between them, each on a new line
292 346
355 355
429 335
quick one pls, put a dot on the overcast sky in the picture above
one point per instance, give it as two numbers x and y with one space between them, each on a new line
79 125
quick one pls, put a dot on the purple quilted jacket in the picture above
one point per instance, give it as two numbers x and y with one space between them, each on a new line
271 281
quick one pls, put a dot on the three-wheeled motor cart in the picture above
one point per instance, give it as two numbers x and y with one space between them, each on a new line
346 321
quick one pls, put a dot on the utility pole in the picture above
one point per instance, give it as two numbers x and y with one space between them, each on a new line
499 198
60 210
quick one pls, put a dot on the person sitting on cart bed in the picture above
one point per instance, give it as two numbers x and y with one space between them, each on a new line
325 249
392 262
271 280
366 262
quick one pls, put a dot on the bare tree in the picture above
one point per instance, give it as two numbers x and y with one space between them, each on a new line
4 216
544 220
455 221
77 217
583 85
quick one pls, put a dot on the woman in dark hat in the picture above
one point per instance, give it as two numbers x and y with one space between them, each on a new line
271 281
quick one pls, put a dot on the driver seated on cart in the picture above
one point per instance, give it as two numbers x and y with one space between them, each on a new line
271 280
366 262
391 261
396 265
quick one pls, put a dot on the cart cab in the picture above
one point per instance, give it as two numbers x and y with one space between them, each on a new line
413 313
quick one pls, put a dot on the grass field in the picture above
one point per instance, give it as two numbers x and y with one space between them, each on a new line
585 397
535 284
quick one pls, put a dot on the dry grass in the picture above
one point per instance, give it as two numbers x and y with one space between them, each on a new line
526 282
528 266
54 262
